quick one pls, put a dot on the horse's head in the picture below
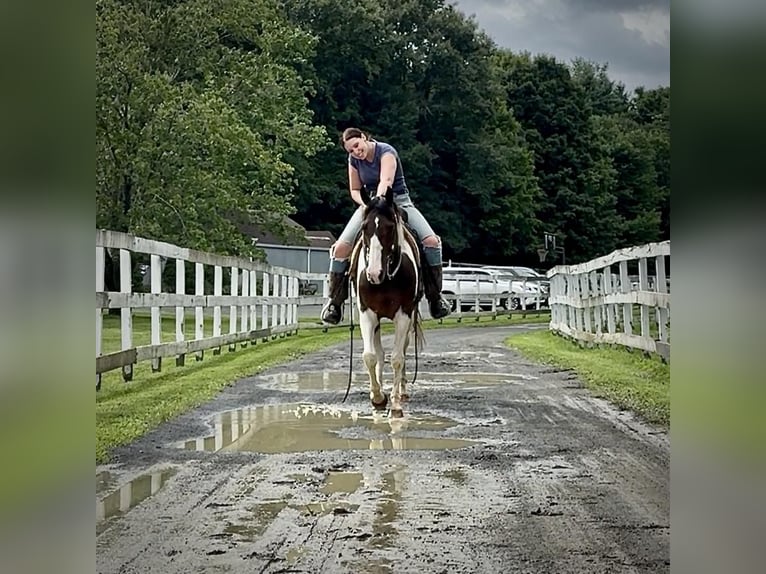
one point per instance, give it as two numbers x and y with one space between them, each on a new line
381 235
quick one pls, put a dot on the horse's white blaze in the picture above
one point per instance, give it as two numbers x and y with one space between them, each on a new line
375 262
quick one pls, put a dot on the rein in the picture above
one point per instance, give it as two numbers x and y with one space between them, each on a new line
351 343
397 247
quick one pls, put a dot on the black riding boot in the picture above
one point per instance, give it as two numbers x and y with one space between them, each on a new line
432 283
332 312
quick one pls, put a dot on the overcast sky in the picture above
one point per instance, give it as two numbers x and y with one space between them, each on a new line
631 36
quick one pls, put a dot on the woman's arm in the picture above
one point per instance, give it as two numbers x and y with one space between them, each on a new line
387 172
354 185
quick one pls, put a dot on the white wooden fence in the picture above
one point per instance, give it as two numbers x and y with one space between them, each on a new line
602 302
261 301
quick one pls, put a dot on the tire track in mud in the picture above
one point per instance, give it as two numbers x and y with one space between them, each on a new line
555 480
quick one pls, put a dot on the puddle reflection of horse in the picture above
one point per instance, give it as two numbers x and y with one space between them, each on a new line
386 271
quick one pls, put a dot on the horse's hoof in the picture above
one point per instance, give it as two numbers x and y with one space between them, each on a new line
397 413
381 405
405 397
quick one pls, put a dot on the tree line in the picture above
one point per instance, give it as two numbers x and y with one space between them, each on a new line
216 114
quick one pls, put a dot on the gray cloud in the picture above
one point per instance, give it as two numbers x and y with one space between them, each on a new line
584 5
631 37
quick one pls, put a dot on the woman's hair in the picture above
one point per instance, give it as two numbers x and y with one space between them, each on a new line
349 133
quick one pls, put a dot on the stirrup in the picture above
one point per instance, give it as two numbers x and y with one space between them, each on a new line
332 313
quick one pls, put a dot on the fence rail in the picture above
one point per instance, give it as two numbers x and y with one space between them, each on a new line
261 300
601 302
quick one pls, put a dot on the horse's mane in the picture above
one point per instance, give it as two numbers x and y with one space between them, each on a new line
380 205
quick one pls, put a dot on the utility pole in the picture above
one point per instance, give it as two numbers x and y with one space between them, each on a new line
549 242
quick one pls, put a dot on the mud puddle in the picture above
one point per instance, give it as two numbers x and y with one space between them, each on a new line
289 428
348 492
126 496
337 380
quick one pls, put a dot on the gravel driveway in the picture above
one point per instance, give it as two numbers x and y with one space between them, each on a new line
500 465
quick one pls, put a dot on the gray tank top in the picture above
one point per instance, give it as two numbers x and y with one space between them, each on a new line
369 171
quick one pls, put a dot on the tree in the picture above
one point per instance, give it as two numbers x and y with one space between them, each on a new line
197 104
651 110
554 112
418 74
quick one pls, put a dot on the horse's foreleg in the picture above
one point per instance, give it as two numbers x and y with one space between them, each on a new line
368 323
405 396
402 324
380 354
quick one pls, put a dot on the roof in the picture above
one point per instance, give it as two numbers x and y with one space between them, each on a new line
287 233
321 239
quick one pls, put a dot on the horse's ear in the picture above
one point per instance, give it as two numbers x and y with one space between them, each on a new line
390 195
365 195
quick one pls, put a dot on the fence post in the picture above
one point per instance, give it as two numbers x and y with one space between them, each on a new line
598 308
585 302
199 317
607 289
643 285
265 308
100 268
253 310
180 310
217 292
233 306
155 271
662 287
275 280
244 309
126 314
627 308
283 306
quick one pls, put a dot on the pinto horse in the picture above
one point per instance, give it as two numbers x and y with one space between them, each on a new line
386 271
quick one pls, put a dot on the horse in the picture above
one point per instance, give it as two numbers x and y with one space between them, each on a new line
385 268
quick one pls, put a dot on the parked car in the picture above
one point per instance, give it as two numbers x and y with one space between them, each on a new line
528 276
532 291
469 282
491 286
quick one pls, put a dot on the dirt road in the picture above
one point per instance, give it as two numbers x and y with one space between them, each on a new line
500 465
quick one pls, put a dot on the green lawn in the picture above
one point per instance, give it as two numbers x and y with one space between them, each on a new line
628 379
110 340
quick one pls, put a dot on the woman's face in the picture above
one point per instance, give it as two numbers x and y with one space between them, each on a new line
357 147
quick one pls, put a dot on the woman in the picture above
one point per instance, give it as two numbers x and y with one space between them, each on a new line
376 165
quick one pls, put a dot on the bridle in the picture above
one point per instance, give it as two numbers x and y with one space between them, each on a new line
396 252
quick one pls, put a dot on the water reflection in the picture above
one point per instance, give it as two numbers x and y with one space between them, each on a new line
308 427
128 495
388 509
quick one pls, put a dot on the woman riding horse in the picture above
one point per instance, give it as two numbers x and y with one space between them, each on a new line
376 165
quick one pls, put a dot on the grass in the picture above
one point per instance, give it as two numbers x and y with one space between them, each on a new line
126 411
110 340
629 380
